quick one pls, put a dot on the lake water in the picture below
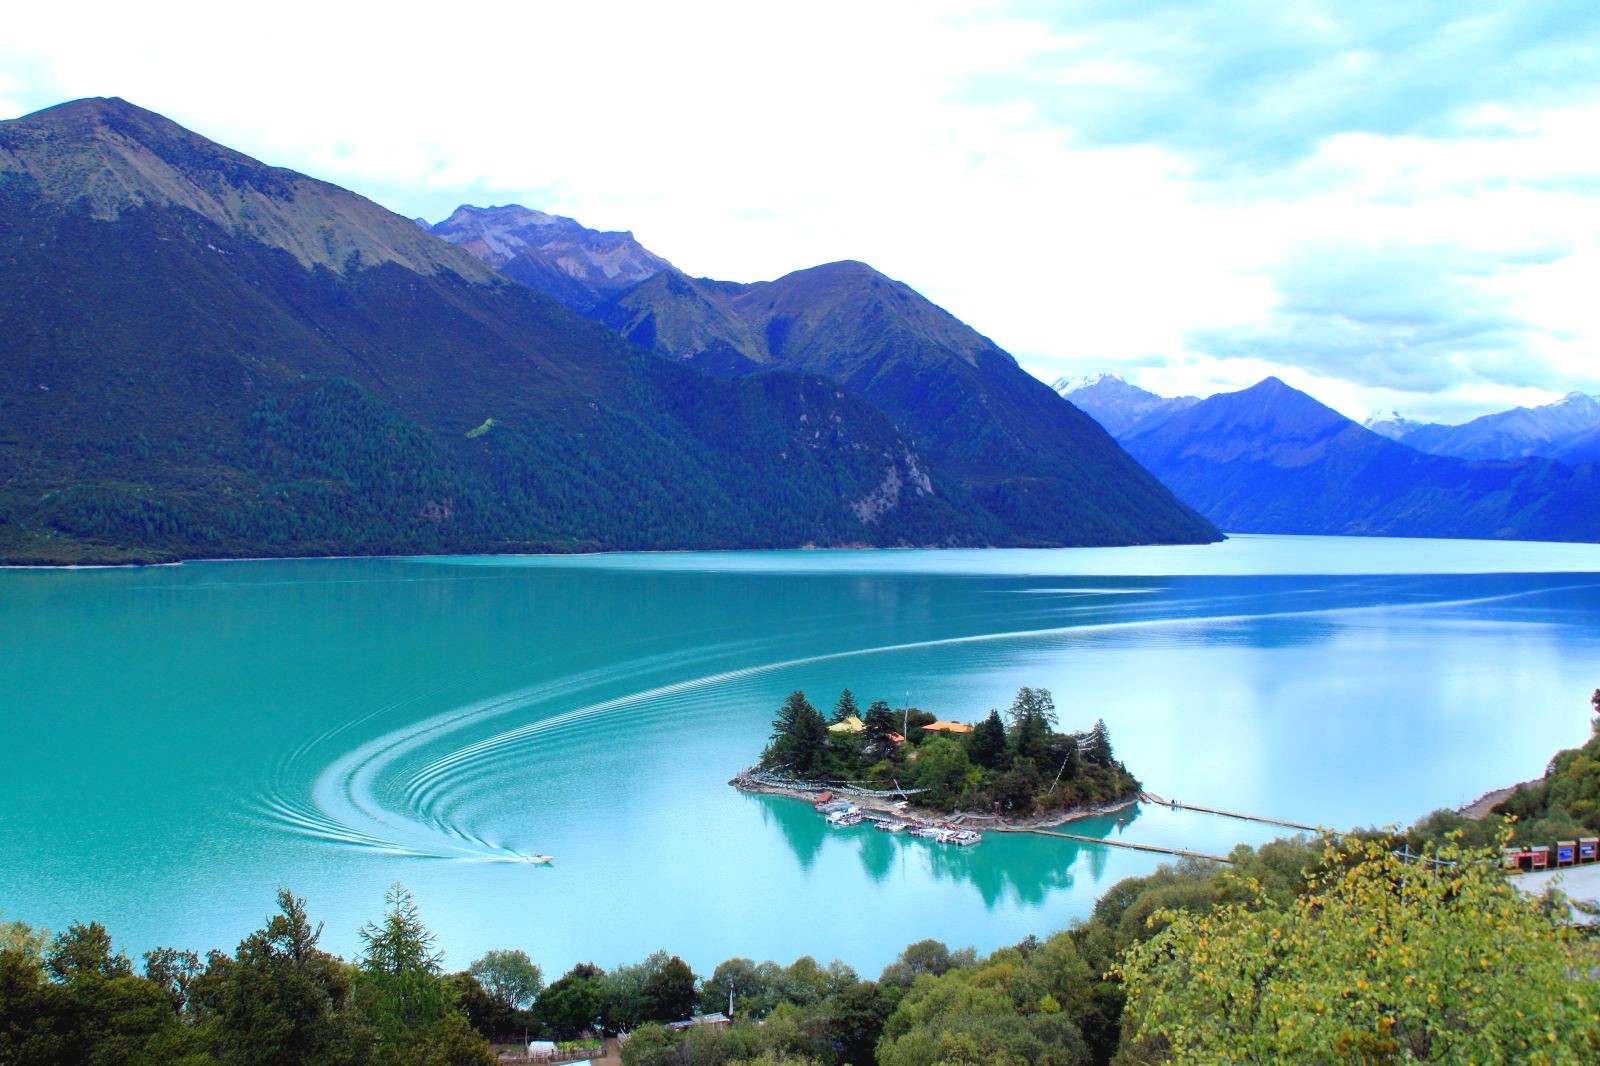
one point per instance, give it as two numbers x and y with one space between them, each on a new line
180 741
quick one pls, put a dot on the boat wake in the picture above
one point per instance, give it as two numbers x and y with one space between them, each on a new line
414 791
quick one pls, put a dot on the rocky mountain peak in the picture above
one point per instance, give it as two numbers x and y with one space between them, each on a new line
113 157
555 254
1121 409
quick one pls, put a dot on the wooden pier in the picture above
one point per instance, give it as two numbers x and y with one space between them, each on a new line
1151 797
1149 848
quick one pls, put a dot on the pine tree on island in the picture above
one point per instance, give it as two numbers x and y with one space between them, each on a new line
988 746
1097 749
799 738
881 729
846 708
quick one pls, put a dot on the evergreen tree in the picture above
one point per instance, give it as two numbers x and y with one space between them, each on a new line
1036 703
401 944
400 984
846 707
988 745
1097 747
880 723
799 738
1029 737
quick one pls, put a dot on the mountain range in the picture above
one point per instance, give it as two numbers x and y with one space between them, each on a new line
203 355
1123 409
1565 430
1271 459
1047 473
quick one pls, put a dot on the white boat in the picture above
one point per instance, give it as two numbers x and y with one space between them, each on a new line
892 827
539 860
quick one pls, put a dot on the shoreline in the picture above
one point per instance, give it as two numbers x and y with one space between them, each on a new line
884 806
594 552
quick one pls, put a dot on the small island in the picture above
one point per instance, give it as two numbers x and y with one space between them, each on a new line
901 766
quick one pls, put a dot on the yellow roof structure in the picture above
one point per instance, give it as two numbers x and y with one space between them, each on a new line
849 725
946 727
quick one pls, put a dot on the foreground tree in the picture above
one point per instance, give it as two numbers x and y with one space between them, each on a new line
1013 1009
669 993
400 943
172 970
403 993
85 950
280 1000
1379 960
511 977
574 1002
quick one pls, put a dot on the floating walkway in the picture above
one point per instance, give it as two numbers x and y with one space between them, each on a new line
1150 848
1151 797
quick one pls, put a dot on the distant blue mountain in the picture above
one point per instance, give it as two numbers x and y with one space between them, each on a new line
1120 408
1513 434
1271 459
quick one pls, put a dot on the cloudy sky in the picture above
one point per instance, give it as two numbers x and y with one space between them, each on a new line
1390 205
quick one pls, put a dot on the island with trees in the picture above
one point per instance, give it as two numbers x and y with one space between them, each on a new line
1012 765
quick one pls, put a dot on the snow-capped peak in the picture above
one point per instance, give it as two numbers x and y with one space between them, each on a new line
1066 386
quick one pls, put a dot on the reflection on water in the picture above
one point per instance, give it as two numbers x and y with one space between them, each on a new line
341 724
1010 868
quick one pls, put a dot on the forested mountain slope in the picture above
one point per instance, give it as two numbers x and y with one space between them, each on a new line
204 355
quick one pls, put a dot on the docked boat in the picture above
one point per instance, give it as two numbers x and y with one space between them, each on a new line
893 827
846 817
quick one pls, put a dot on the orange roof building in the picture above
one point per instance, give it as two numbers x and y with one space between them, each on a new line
946 727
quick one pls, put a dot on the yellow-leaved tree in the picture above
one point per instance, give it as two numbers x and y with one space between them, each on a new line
1382 959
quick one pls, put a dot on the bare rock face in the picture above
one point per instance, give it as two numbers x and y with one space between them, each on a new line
116 156
557 255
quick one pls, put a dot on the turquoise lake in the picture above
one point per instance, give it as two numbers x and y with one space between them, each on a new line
180 741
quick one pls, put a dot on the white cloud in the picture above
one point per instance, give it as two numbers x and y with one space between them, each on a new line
741 141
